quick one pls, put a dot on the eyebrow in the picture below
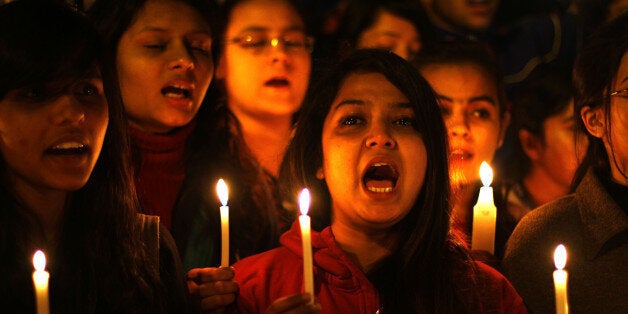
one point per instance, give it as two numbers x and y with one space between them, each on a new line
163 30
358 102
485 98
266 29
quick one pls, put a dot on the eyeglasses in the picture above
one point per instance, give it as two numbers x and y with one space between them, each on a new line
292 42
623 93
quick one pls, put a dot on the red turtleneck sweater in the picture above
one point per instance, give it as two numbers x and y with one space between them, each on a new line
161 170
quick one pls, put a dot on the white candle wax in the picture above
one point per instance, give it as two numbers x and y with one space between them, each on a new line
223 195
304 221
560 280
40 281
484 214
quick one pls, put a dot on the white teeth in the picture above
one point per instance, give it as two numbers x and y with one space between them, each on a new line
175 95
380 190
180 87
69 145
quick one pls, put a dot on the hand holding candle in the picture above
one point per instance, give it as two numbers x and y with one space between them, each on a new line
484 214
40 281
223 195
560 280
304 221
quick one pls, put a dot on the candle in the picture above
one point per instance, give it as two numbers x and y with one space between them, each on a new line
223 195
40 281
560 280
304 221
484 214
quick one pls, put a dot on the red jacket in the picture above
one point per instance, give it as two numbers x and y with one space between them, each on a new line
340 286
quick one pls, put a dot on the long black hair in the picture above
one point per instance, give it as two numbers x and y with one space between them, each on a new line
100 262
419 276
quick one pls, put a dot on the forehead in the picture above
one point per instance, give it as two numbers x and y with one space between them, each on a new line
169 15
369 88
463 80
264 14
622 72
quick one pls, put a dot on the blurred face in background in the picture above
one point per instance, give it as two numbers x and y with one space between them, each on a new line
393 33
266 60
471 110
165 66
559 149
462 15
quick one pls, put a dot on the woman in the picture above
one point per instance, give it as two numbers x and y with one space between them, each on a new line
65 185
592 222
399 26
369 143
262 76
470 94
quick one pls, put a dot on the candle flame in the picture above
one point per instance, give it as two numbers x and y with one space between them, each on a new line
223 192
486 174
304 201
39 261
560 257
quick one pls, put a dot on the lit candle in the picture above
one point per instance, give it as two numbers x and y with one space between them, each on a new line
304 221
484 214
223 195
560 280
40 280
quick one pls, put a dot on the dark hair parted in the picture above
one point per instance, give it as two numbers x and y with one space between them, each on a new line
594 73
100 261
466 52
545 93
359 15
419 275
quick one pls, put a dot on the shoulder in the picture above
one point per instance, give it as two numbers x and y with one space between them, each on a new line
497 295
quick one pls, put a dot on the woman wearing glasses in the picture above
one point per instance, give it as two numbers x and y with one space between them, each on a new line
592 223
263 72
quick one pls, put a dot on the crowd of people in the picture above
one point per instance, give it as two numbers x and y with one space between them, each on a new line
118 117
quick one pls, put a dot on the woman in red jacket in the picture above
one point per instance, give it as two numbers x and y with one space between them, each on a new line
371 145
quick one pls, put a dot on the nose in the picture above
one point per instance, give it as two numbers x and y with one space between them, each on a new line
69 111
278 50
457 125
181 58
380 137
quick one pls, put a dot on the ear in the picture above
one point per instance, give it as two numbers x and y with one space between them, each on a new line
319 174
503 127
593 119
530 144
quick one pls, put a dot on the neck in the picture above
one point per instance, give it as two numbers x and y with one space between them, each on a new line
542 187
267 139
365 249
462 197
48 207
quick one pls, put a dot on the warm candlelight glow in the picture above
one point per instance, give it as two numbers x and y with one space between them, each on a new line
484 214
306 239
223 192
560 280
304 201
223 195
39 261
560 257
40 281
486 174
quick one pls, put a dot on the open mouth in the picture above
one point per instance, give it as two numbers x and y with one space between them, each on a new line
177 92
277 82
460 154
68 149
380 178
